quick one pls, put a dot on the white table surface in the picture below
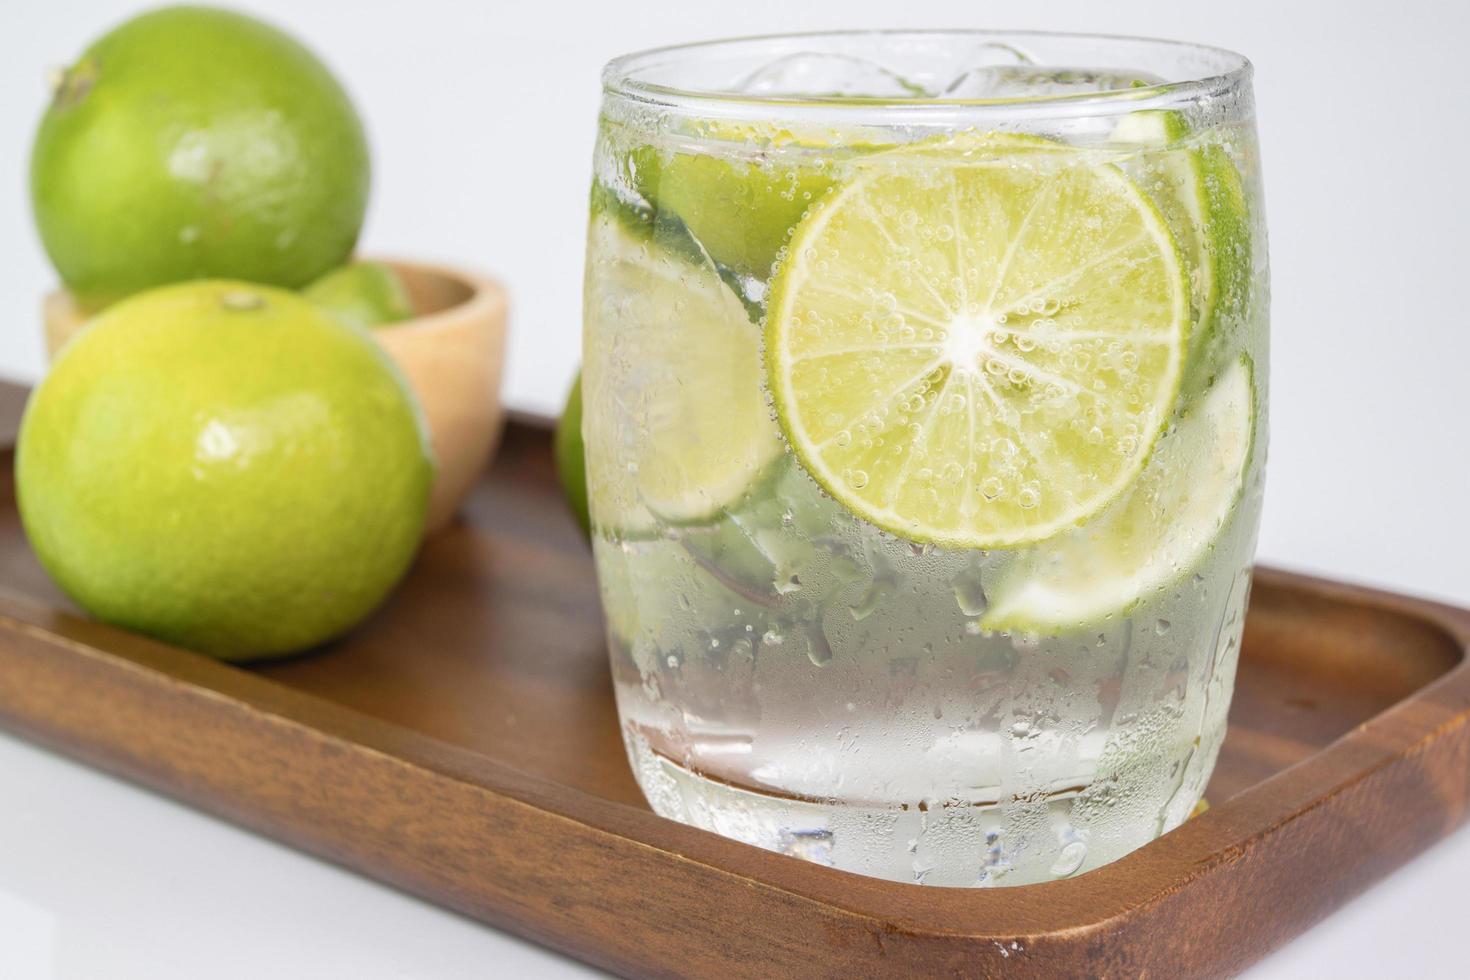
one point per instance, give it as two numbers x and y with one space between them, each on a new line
101 880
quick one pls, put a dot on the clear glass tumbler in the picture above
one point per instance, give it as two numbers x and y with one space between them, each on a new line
925 412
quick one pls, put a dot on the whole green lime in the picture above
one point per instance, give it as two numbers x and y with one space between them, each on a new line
364 294
191 143
571 456
226 467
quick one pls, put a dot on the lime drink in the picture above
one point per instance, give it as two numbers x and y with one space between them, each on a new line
924 403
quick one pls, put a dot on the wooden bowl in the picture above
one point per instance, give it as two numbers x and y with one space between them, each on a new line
452 354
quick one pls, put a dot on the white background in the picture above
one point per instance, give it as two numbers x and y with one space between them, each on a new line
481 117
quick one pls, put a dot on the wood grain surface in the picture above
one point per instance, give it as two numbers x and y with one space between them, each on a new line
463 745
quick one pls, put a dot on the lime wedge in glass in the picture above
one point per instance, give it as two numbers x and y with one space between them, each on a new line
673 407
975 343
1201 195
740 211
1160 532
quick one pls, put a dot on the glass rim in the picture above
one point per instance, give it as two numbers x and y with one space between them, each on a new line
620 79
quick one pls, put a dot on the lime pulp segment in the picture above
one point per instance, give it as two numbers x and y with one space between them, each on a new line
1160 532
674 412
976 344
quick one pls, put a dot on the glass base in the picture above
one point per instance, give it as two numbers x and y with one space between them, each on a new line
965 845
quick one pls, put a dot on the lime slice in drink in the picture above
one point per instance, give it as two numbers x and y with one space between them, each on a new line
673 413
976 343
1150 539
740 194
739 211
741 204
1201 195
667 232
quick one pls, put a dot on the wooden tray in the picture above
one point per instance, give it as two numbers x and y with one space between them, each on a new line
463 745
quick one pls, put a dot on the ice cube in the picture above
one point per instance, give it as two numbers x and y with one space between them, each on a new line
821 74
993 54
991 81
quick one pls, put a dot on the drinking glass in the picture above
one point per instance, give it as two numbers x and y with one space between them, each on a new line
925 414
